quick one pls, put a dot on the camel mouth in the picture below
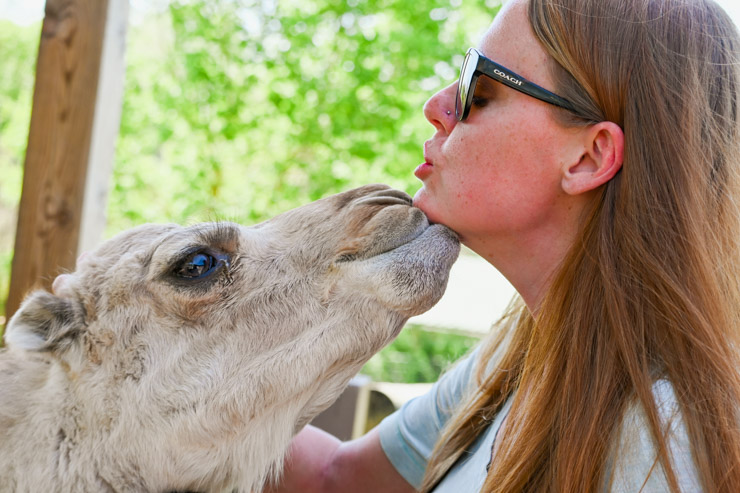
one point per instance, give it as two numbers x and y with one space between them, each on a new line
386 198
396 224
409 277
431 237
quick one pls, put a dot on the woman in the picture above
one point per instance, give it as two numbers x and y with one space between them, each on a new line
606 191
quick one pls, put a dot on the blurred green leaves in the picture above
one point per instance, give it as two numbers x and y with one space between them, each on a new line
418 355
244 109
241 109
18 50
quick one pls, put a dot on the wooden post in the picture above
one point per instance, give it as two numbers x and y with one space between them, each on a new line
106 123
74 123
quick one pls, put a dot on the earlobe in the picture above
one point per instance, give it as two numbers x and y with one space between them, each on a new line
600 158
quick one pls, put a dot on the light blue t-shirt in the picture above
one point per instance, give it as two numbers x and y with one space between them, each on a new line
408 437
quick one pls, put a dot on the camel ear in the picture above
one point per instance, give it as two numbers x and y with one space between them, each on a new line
45 322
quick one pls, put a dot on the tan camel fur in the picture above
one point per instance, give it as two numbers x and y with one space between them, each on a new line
185 359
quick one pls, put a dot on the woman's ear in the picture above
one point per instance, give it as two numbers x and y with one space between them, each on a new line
599 159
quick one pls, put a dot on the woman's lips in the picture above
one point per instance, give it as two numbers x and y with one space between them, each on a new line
423 170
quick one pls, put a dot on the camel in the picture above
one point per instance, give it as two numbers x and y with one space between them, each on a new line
186 358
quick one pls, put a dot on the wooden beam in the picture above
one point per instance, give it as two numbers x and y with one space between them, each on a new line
106 123
74 123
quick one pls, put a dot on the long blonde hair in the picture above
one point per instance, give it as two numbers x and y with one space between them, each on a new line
652 289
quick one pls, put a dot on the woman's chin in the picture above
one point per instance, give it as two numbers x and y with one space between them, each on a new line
423 201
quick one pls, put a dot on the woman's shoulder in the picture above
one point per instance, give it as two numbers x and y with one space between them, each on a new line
634 464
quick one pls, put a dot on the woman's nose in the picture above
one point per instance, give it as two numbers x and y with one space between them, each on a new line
440 108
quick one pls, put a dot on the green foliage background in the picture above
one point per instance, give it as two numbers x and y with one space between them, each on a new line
418 355
18 50
242 109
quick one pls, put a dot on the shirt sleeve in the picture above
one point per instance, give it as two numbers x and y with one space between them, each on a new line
634 461
408 435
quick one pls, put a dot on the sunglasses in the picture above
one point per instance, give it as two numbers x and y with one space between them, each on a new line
476 64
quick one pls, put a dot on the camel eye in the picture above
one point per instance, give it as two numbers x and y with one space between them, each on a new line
196 266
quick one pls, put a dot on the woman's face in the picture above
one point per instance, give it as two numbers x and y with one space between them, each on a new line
496 175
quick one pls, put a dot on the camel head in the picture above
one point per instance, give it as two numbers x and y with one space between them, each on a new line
177 350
